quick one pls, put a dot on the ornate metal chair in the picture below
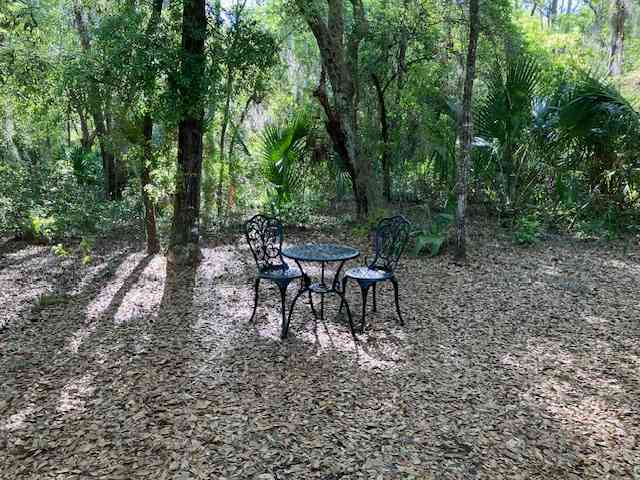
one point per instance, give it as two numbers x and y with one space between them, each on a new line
264 236
391 237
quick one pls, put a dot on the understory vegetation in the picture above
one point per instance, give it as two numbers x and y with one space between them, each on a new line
93 113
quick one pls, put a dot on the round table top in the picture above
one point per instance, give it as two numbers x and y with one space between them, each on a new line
320 252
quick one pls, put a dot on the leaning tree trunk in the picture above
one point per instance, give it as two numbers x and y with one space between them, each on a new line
339 54
466 133
616 51
185 236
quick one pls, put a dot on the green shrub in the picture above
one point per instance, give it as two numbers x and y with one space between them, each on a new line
433 237
290 213
37 229
527 230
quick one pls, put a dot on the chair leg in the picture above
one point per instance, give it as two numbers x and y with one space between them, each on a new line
395 291
365 291
344 292
375 308
313 308
283 295
256 285
285 330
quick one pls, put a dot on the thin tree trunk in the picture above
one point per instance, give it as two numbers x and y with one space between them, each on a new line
95 106
153 244
233 174
553 14
186 213
223 135
616 51
466 133
384 130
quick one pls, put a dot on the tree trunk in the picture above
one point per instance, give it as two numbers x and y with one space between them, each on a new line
153 244
339 54
8 133
553 12
233 174
186 214
616 51
466 134
384 130
223 135
95 107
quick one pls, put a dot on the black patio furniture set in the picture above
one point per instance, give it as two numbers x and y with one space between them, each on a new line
265 236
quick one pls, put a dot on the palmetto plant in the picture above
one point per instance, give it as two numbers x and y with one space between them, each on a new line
506 159
600 130
284 149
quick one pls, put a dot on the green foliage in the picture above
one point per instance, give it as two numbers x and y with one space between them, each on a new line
434 236
60 250
36 229
290 213
86 247
505 161
284 149
527 230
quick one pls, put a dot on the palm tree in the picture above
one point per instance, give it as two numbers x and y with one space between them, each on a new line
284 149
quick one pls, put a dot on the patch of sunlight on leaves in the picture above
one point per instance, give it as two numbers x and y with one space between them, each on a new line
73 394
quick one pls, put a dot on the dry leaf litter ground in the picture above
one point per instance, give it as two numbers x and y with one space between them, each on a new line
523 365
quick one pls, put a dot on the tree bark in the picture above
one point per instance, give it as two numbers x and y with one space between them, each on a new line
112 190
554 12
233 174
223 136
616 51
186 214
153 244
384 130
466 133
339 51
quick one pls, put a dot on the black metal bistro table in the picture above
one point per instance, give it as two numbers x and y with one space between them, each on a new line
323 254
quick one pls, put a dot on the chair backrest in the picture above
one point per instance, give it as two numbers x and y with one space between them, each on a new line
391 238
264 236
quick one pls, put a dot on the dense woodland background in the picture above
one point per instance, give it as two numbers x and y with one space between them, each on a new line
175 119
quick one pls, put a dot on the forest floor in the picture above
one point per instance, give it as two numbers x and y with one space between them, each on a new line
525 364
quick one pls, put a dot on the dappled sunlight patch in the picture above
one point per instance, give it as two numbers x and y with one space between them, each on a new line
551 270
595 319
79 336
591 416
103 299
18 420
627 267
267 325
73 394
220 262
143 299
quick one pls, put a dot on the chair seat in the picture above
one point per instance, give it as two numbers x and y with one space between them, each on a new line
365 273
280 273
